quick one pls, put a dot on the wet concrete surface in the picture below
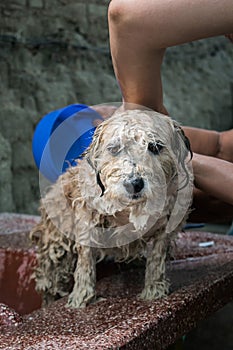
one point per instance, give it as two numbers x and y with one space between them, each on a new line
201 283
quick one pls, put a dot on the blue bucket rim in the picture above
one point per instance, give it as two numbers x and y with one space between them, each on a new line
46 127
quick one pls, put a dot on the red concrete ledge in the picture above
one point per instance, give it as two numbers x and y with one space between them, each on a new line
201 283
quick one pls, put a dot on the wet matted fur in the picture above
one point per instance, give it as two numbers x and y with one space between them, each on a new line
118 201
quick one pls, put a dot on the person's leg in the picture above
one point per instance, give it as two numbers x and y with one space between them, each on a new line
140 30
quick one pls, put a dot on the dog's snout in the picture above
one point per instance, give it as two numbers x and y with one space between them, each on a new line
134 185
138 184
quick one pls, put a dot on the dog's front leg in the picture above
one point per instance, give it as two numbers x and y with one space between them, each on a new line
156 286
84 278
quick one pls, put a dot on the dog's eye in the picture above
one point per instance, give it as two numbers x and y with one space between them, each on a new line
114 149
155 147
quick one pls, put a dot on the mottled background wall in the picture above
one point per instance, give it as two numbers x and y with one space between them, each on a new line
55 52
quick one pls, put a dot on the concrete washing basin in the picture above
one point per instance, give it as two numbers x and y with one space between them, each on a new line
201 274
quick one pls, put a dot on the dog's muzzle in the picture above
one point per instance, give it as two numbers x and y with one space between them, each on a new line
134 185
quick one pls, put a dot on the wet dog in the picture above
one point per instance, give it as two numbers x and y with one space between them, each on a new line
126 198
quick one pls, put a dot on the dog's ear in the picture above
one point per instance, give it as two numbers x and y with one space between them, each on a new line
92 154
181 147
181 144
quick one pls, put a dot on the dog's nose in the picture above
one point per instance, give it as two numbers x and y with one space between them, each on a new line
134 185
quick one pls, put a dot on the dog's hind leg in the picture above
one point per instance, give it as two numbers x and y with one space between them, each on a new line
156 286
84 277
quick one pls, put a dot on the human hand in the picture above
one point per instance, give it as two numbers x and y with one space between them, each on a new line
105 111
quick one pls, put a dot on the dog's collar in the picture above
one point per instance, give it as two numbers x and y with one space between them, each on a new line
98 179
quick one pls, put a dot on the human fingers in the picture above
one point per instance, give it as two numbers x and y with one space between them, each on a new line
105 111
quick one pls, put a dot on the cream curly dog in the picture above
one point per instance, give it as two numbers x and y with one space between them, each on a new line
118 201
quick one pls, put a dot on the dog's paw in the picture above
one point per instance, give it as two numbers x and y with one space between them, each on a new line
155 291
80 299
48 299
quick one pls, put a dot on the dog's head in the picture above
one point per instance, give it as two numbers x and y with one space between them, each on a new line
133 160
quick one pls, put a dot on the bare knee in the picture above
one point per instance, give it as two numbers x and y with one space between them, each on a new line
115 11
122 12
136 19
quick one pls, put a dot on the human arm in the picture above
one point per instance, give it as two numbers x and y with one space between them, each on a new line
214 176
